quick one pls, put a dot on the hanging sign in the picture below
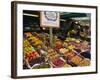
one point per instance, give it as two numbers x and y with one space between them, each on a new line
49 19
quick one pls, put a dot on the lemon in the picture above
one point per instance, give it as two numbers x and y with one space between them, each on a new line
71 47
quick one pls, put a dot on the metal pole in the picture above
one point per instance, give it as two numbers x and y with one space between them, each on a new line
51 36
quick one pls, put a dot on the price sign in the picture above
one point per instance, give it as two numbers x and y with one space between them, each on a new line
49 19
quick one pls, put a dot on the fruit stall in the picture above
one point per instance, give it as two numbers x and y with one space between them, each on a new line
71 43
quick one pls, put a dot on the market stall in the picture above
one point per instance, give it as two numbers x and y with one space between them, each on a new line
69 45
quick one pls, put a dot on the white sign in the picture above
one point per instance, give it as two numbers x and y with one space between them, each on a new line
49 19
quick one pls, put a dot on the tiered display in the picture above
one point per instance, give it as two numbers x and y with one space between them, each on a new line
68 53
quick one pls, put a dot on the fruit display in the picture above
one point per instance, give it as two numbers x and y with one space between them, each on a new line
76 59
52 54
27 48
69 55
70 39
65 44
85 46
31 55
58 62
58 44
73 43
63 50
85 62
56 59
70 52
34 40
